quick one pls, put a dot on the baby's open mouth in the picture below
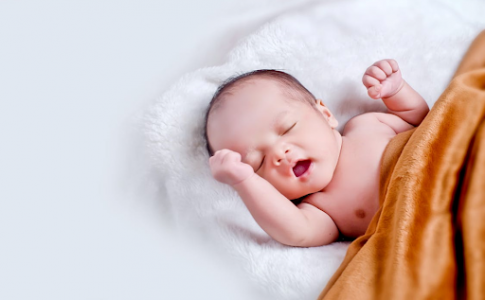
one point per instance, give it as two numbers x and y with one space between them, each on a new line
301 167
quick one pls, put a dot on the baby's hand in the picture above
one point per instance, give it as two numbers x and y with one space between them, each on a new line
226 167
383 79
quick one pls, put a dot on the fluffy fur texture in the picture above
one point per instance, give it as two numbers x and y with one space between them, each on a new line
327 48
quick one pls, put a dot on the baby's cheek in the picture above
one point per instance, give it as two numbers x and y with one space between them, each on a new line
261 174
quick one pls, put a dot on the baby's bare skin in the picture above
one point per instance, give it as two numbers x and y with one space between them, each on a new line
355 182
273 148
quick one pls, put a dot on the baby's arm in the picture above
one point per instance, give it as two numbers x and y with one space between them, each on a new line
384 80
302 226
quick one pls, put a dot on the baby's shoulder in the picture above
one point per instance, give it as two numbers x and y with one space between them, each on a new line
366 123
377 123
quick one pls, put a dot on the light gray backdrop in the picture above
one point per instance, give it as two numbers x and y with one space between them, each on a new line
77 218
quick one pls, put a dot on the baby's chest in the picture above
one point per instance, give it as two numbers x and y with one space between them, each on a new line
361 168
354 198
365 156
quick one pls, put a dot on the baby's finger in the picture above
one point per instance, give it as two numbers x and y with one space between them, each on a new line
215 160
218 156
376 72
231 157
369 81
384 66
375 91
394 65
234 156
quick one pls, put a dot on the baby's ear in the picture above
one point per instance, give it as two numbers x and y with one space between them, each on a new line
326 113
319 102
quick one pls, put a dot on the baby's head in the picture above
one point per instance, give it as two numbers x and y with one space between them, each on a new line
280 129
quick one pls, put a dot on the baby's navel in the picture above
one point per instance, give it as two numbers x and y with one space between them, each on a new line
360 213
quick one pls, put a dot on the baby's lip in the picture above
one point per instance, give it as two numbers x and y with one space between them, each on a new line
301 167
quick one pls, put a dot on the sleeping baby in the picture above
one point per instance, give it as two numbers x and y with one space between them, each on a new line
272 141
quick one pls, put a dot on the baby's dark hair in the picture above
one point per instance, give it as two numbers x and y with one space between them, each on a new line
290 83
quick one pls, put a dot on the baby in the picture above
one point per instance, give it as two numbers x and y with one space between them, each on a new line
272 141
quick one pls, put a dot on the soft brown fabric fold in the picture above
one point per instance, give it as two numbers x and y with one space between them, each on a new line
427 241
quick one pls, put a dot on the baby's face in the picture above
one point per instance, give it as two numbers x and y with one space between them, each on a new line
291 144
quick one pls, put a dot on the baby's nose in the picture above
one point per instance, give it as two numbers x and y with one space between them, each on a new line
281 156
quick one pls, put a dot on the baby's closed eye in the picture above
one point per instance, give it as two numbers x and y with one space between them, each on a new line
290 128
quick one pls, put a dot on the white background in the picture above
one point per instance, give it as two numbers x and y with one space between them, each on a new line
72 76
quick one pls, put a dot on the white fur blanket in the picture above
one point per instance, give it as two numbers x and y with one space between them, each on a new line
327 47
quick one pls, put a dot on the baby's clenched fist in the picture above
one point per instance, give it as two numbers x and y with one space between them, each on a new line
226 167
383 79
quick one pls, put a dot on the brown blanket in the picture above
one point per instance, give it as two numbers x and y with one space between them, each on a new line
427 241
